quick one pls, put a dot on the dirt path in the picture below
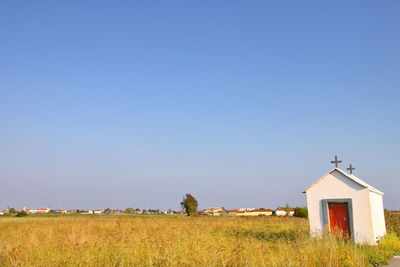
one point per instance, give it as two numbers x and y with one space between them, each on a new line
394 262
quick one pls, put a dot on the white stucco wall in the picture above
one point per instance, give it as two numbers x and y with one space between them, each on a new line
378 215
337 186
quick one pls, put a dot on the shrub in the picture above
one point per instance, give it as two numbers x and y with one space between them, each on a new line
393 222
301 212
21 214
129 210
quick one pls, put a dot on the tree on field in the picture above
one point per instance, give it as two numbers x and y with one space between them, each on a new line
189 203
11 210
129 210
287 209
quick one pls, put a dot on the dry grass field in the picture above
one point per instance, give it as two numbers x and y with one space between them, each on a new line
177 241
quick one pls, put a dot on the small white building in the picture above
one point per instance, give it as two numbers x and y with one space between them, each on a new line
342 201
40 211
87 212
282 212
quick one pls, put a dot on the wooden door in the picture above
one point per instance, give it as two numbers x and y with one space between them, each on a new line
339 218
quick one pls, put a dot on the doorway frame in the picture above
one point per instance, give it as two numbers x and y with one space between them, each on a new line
325 213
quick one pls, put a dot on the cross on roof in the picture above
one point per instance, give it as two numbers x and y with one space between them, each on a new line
336 162
351 168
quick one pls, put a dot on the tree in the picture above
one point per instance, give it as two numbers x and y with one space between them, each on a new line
129 210
189 203
11 210
287 209
301 212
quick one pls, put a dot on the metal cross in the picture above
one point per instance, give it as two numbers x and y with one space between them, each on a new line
351 168
336 161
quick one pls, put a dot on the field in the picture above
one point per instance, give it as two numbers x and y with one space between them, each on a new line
179 241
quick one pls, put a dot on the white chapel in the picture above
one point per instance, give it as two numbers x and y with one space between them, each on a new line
340 200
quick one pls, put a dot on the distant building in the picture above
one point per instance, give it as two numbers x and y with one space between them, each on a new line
61 211
246 209
41 211
233 212
255 213
98 211
71 211
213 211
87 212
115 212
282 212
25 209
1 212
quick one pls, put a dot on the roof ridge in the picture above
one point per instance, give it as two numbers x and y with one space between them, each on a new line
349 176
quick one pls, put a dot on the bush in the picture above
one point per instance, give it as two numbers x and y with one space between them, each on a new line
129 210
393 222
301 212
21 214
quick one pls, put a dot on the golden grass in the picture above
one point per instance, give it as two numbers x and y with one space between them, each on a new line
176 241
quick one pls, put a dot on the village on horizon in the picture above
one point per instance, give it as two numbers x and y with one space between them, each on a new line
212 211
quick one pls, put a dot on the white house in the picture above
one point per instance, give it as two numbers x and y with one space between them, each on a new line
341 200
40 211
87 212
282 212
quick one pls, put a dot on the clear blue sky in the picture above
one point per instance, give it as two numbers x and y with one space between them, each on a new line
241 103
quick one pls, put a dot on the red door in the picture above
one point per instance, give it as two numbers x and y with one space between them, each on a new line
339 218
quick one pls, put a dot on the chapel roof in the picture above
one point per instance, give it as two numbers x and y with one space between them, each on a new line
351 177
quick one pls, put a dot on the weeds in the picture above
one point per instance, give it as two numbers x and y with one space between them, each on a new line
166 241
